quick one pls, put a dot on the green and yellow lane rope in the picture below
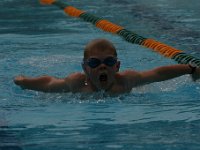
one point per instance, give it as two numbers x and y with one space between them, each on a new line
105 25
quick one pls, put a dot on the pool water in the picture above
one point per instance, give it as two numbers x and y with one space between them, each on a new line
37 40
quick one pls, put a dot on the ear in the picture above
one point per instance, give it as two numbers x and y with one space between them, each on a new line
85 70
83 67
118 66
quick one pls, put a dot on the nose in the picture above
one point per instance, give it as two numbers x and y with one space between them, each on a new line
102 66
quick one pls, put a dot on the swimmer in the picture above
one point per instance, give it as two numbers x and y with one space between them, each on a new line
101 73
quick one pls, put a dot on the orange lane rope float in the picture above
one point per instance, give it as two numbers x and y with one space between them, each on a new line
105 25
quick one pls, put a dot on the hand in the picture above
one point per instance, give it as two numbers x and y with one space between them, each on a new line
19 79
196 75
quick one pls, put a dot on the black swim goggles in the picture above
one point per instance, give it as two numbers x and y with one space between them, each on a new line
95 62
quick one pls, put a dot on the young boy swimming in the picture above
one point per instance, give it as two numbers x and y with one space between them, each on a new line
101 72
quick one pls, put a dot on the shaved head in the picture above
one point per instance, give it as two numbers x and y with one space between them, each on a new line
102 45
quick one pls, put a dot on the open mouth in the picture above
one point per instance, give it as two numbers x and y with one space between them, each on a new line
103 77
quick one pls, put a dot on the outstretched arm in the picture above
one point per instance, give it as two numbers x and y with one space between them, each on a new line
162 74
43 83
167 72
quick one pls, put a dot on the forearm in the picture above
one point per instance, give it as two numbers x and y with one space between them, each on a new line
39 83
169 72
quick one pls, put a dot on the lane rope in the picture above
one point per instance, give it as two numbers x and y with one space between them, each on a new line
129 36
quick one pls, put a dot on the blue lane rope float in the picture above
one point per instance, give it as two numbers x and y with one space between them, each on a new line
129 36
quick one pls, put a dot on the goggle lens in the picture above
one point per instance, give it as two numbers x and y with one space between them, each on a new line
94 62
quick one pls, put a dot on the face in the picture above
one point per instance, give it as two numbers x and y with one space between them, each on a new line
100 68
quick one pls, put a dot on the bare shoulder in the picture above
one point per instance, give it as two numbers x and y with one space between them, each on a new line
76 75
127 74
75 80
130 77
